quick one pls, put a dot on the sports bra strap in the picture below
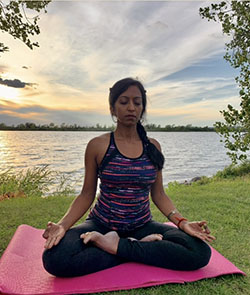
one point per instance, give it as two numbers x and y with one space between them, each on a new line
107 158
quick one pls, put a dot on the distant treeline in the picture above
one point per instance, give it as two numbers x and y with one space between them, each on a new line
64 127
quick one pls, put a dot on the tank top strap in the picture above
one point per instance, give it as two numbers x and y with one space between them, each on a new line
111 151
112 139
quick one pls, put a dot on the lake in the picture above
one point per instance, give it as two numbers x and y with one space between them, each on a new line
187 154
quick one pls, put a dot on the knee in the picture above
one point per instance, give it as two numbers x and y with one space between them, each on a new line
49 262
54 263
202 256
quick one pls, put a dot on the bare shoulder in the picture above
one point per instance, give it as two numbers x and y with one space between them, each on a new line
155 142
97 146
101 139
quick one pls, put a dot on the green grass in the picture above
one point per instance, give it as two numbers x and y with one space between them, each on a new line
223 202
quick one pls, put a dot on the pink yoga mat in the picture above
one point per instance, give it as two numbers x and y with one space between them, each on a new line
21 271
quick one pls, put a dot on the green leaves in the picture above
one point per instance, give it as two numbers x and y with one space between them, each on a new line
14 20
234 17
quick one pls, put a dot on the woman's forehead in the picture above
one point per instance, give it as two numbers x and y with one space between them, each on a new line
132 91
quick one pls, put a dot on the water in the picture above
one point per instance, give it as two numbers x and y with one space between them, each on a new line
187 154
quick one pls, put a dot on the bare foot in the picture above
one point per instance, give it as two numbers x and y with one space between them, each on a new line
151 238
108 242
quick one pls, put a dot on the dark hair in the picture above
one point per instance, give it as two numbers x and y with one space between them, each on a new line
118 88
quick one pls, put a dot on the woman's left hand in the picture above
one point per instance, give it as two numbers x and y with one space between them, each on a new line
198 229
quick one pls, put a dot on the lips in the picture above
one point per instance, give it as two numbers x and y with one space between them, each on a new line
130 117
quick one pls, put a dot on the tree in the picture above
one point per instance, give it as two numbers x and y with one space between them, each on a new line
14 20
234 17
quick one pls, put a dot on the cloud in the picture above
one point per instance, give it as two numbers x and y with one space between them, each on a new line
199 113
85 46
15 83
3 68
107 41
182 93
14 112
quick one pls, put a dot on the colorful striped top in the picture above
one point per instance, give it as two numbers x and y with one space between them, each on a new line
123 202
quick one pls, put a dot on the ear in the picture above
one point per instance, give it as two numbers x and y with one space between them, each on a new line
112 111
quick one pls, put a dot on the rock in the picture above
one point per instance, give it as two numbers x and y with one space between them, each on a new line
197 178
11 195
189 182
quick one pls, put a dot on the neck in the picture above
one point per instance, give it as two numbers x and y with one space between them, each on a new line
126 132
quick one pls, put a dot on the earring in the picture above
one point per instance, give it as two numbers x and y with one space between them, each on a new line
142 120
114 119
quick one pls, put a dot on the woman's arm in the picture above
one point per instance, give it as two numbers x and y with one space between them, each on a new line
166 206
55 231
82 203
160 198
164 203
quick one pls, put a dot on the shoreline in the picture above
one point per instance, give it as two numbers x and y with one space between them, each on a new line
101 130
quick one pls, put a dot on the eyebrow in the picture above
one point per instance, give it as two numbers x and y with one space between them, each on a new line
133 97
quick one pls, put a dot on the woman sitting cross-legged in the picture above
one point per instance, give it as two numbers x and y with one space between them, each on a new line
119 227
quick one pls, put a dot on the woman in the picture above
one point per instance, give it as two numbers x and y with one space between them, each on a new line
120 228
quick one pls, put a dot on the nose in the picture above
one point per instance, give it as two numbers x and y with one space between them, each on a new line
131 105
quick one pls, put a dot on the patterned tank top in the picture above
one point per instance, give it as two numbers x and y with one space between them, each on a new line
123 202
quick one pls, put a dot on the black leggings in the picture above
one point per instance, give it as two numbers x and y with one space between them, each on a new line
178 251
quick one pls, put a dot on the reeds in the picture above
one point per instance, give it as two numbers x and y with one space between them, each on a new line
39 181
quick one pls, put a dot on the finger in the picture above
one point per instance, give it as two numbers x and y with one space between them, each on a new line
46 244
46 232
50 243
210 238
206 229
206 238
57 240
45 235
203 225
49 224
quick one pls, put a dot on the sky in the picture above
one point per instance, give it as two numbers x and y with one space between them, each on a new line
86 46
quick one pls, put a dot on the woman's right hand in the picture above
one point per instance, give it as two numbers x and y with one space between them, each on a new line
53 234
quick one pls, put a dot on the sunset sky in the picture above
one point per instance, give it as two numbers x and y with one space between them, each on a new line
87 46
